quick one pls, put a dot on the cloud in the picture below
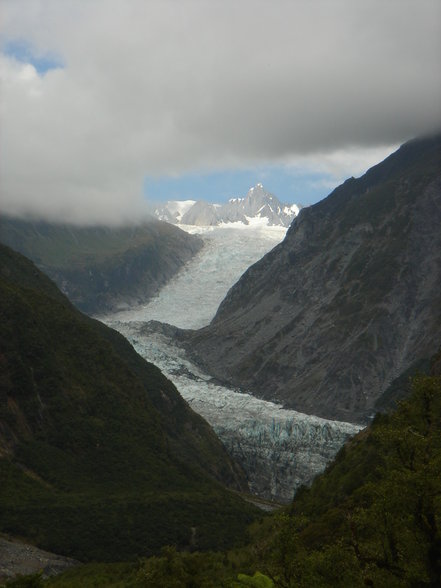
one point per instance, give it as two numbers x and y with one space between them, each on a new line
338 164
151 88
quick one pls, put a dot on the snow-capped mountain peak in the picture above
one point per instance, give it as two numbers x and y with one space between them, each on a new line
257 205
174 210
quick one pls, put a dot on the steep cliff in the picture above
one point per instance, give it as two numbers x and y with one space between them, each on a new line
101 268
349 300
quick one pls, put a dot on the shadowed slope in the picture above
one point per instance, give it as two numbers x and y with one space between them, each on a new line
100 457
103 268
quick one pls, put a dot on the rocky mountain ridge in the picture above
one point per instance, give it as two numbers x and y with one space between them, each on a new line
257 206
348 301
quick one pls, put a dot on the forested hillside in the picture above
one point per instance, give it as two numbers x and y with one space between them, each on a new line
100 457
372 519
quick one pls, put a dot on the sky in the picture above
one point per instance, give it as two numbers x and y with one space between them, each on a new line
108 105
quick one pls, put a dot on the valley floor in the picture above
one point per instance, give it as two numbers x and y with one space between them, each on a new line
279 449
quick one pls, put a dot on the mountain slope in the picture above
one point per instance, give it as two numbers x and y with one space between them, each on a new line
257 206
100 457
102 268
349 300
372 519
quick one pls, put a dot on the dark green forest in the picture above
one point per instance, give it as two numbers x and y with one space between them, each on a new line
372 519
100 457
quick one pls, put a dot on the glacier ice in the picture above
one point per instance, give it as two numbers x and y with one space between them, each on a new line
279 449
191 299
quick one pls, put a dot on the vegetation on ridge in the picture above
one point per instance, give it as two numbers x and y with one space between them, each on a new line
100 457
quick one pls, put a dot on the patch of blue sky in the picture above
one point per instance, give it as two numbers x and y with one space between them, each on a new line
290 185
23 51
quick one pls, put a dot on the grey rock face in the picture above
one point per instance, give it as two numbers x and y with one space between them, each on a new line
201 214
18 558
349 300
173 211
258 204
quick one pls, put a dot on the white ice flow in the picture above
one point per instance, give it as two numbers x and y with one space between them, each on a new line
191 298
279 449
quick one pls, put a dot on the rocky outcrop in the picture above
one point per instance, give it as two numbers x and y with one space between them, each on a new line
20 559
348 301
102 269
202 214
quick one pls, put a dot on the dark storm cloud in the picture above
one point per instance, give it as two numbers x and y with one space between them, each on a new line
163 87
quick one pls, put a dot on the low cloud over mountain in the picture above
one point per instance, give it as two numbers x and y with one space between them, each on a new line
104 94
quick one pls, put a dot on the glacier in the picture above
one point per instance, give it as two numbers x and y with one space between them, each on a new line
191 299
279 449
